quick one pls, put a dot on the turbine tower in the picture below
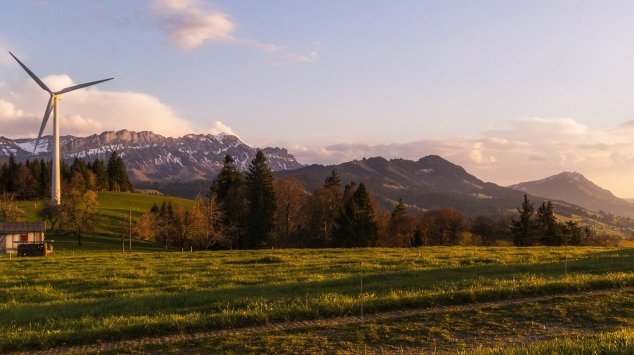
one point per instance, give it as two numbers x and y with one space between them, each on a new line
53 105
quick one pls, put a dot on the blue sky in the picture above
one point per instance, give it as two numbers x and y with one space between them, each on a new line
511 90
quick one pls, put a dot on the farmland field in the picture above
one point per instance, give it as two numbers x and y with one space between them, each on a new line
86 296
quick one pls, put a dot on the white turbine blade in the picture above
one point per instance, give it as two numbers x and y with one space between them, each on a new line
32 75
47 114
72 88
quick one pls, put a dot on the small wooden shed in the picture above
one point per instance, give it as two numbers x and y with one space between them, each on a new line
13 234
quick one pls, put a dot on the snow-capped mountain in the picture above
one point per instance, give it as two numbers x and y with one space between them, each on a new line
152 157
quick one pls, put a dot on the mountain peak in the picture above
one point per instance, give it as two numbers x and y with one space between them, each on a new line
575 188
573 175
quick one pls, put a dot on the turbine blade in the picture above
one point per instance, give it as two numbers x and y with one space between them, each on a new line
72 88
32 75
47 113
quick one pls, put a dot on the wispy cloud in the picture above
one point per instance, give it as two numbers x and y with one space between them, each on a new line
525 149
189 24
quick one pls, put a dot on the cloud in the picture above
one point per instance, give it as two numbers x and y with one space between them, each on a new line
525 149
86 111
189 25
218 127
301 58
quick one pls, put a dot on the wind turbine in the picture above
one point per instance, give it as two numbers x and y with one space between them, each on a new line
53 104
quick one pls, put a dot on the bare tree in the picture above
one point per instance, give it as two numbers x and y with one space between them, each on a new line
290 198
211 232
145 227
9 210
78 212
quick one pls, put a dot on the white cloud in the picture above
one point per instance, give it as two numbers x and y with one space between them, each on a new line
219 127
189 25
527 149
302 58
86 111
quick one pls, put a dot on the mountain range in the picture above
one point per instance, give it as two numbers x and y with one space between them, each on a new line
184 166
429 183
150 156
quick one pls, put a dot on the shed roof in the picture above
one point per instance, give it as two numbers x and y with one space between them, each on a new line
22 227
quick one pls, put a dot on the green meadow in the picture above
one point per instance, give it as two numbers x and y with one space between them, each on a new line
114 214
83 296
94 293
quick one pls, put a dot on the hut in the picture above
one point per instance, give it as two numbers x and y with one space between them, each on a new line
13 234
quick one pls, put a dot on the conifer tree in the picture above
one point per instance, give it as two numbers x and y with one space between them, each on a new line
117 174
523 229
227 180
549 229
400 228
229 190
332 180
357 226
261 200
101 175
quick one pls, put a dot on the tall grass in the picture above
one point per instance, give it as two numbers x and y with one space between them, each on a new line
93 296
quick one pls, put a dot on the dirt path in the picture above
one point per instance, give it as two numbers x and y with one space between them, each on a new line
285 326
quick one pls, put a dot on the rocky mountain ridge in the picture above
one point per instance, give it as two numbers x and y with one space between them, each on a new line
150 156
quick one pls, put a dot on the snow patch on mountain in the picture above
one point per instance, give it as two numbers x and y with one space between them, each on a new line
152 156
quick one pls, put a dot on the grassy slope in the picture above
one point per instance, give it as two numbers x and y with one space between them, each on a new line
114 214
103 296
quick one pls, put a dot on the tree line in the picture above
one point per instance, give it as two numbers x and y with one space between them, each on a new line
255 210
32 179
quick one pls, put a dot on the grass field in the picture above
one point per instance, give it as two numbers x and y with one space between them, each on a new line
115 209
88 296
563 325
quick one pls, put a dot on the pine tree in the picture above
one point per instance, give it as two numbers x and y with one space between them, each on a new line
523 229
332 180
400 228
117 174
101 175
229 189
357 226
227 180
549 229
261 199
44 182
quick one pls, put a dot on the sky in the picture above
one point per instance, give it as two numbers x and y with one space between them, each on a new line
511 90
